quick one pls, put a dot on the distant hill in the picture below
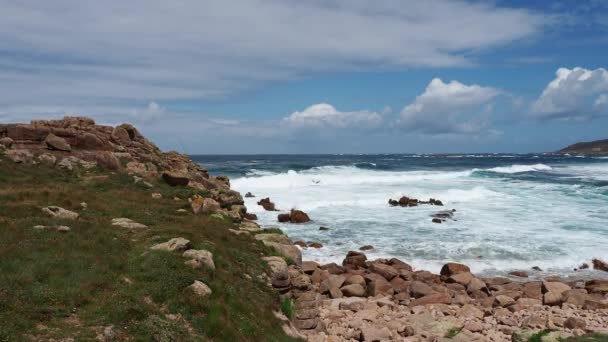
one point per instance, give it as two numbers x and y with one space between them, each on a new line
591 147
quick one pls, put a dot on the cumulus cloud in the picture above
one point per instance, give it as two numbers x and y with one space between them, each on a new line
326 115
136 50
451 107
576 93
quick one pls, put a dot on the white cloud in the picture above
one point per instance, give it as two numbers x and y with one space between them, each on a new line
576 93
451 107
136 50
326 115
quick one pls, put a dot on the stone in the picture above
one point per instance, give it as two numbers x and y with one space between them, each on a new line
463 278
353 290
108 160
298 216
437 298
520 274
203 257
470 311
450 269
555 287
127 223
60 213
474 326
267 204
286 217
200 289
309 267
503 301
600 265
399 285
355 279
335 292
66 164
209 206
419 289
354 258
175 179
575 323
6 142
532 290
476 284
378 287
54 142
47 159
370 333
597 286
20 156
174 245
63 229
552 298
157 195
366 248
388 272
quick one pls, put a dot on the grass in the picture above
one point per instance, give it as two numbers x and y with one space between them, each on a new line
595 337
453 332
72 285
537 337
288 308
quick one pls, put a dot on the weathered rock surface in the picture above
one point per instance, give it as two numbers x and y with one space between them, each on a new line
127 223
174 245
60 213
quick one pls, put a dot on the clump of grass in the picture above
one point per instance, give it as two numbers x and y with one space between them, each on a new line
273 231
453 332
538 337
594 337
288 308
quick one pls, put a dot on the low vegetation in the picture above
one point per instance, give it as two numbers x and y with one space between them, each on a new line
101 279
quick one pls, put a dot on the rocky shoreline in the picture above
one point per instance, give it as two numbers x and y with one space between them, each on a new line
358 300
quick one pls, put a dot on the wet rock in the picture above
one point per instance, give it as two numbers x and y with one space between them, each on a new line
520 274
284 217
323 228
267 204
249 195
354 258
600 265
450 269
366 248
436 220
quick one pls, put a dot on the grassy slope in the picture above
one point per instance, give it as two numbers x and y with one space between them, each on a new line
58 285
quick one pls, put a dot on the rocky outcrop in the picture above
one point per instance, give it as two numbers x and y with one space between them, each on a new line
405 201
294 216
267 204
77 142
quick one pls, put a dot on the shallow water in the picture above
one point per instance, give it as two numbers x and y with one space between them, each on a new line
512 211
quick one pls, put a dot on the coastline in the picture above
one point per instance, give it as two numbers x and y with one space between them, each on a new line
355 299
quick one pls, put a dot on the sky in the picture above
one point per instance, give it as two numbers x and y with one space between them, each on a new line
314 76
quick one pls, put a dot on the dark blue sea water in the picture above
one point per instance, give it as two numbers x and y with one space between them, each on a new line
513 211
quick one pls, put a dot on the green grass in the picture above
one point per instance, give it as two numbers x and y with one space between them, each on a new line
58 285
453 332
595 337
288 308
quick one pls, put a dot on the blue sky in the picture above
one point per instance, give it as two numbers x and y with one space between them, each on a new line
339 76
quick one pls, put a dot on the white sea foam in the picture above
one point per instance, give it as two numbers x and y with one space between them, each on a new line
517 168
510 224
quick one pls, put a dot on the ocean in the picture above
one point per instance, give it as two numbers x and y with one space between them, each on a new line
513 211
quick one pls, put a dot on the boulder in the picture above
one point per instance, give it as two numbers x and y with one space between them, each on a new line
60 213
436 298
463 278
600 265
209 206
249 195
54 142
20 156
283 218
366 248
298 216
354 258
386 271
419 289
47 159
554 286
371 333
355 279
174 245
6 142
597 286
451 269
353 290
379 287
175 179
127 223
108 160
267 204
200 289
201 257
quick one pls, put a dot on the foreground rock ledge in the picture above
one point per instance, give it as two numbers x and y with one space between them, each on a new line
385 300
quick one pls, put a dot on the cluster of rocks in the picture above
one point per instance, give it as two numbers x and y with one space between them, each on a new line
380 300
443 215
294 216
405 201
267 204
196 258
77 142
